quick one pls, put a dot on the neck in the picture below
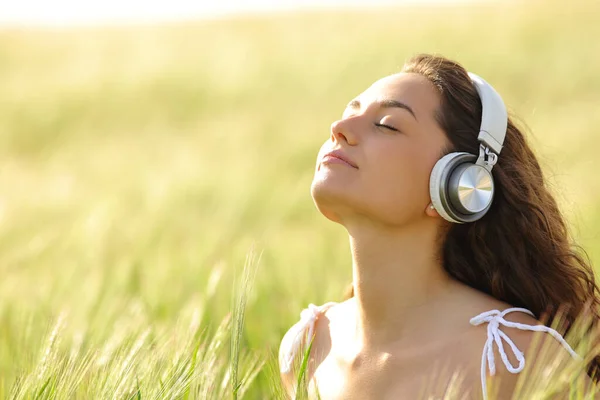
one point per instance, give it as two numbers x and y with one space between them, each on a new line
398 278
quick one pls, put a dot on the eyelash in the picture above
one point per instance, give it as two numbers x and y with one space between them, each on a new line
387 127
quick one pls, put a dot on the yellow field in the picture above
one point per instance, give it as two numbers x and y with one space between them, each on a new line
140 166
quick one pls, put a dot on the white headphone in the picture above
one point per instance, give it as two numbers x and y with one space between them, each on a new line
462 190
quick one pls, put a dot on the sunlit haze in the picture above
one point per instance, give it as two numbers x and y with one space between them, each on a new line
77 12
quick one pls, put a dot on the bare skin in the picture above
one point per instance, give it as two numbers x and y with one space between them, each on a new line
408 319
441 342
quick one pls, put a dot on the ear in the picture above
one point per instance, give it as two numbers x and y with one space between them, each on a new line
430 211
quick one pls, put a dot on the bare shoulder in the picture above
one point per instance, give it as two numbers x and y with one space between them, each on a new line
522 349
313 328
334 319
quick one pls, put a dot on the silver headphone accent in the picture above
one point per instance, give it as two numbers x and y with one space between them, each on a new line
461 185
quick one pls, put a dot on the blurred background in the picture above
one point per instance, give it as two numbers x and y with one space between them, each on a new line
148 152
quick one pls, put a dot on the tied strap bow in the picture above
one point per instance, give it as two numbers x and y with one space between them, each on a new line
495 320
293 339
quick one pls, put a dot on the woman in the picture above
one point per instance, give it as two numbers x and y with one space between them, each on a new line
440 245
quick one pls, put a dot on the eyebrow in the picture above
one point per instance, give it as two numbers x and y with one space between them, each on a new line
385 104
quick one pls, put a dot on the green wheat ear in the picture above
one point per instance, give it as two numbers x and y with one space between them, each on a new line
239 317
301 384
273 373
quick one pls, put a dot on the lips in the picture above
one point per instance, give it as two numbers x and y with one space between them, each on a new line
340 155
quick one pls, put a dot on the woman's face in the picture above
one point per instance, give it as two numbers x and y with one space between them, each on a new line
390 134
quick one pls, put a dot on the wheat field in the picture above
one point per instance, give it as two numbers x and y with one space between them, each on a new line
142 168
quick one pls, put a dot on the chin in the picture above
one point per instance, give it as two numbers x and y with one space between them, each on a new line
328 198
323 189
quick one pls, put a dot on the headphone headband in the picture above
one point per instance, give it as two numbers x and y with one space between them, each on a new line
461 185
494 118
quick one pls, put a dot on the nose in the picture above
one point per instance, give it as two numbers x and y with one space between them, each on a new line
341 131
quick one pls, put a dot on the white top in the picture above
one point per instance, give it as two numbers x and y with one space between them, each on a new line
494 318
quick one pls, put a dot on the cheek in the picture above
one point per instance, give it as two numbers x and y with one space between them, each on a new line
401 176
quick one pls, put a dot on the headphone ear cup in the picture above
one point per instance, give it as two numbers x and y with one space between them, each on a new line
443 185
470 189
438 183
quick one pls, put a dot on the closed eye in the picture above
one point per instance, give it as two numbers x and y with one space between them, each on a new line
387 127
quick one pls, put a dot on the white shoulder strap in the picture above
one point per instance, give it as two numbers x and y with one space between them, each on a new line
495 319
292 341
